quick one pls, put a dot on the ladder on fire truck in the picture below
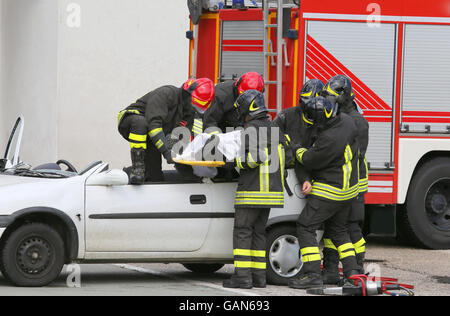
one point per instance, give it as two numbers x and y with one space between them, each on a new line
269 53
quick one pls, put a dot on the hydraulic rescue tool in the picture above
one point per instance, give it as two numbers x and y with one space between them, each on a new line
360 285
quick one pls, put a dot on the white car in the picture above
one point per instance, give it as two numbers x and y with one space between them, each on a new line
50 217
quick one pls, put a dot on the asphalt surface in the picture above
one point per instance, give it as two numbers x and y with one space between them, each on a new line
428 271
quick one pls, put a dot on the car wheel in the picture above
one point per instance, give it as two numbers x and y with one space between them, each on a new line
203 267
425 221
283 255
33 255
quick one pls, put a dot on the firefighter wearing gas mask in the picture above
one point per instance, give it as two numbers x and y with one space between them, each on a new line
145 124
339 89
298 130
222 113
335 184
260 188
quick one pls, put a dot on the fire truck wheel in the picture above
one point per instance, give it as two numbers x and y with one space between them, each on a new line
426 218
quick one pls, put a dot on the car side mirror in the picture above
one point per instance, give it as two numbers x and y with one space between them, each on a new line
108 178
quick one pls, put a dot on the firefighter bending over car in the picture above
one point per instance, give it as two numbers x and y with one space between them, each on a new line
222 112
259 189
145 124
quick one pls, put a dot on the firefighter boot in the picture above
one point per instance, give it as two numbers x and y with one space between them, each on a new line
137 173
307 281
238 282
259 279
330 272
360 258
348 275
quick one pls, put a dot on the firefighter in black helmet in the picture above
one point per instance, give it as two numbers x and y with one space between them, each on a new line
298 130
145 124
330 161
260 188
339 89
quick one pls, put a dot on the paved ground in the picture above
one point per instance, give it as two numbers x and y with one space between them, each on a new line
428 270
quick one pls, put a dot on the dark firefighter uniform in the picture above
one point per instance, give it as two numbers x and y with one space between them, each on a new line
296 128
335 184
222 113
339 89
146 123
260 188
198 126
356 218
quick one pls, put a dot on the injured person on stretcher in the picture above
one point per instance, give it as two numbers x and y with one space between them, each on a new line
203 158
207 153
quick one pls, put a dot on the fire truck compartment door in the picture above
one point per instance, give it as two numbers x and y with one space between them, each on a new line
426 78
241 48
365 54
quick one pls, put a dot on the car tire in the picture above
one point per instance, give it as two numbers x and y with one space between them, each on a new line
425 221
32 255
203 268
283 254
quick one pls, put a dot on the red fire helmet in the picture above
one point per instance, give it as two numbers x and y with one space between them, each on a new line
250 81
202 93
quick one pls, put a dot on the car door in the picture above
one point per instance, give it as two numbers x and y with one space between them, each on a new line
220 237
148 218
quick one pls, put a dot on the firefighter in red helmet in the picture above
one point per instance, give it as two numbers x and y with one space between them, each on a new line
222 113
145 124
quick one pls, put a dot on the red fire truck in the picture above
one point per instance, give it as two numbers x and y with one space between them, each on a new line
397 54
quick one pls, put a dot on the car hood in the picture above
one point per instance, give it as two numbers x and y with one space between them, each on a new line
18 193
14 180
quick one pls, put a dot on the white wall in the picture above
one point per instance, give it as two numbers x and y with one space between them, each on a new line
2 120
29 74
122 50
71 79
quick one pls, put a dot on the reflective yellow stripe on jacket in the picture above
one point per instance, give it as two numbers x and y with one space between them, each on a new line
251 162
155 132
336 194
282 155
197 129
347 167
331 193
364 183
299 154
259 198
263 197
